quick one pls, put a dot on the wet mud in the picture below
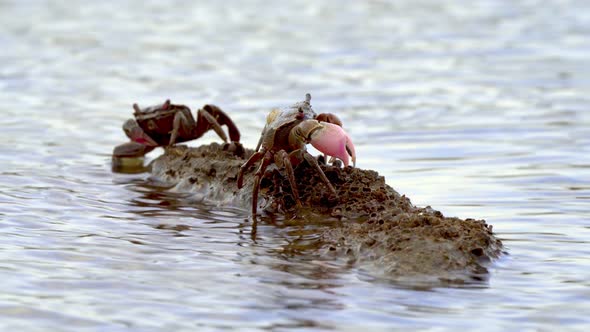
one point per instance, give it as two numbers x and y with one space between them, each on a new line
368 223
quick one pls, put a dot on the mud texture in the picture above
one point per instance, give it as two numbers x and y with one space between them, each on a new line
372 226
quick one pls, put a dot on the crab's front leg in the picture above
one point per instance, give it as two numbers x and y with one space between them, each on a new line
334 141
131 150
328 138
260 140
332 118
329 117
140 143
212 117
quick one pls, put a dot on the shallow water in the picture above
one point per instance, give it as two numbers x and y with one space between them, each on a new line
478 109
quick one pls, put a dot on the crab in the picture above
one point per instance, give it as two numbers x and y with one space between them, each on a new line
284 139
167 124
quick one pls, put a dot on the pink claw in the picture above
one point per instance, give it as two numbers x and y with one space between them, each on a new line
334 141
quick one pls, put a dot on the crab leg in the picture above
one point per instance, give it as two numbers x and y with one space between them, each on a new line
131 150
253 159
332 140
209 123
282 159
221 119
260 140
314 163
180 120
140 143
259 174
329 117
136 134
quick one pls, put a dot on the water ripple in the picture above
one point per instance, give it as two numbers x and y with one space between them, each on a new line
479 110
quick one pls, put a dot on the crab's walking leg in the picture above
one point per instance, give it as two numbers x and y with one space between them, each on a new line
181 121
300 154
314 163
283 159
206 121
260 140
259 174
216 119
253 159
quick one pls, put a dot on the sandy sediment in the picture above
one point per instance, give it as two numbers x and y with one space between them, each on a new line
374 227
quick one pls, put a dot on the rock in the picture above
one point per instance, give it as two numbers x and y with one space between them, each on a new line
369 224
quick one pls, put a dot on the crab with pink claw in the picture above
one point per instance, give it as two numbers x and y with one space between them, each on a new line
284 139
167 124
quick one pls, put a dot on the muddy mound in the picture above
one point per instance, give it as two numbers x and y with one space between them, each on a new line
373 226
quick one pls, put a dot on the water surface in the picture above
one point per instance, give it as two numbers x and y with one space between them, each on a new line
478 109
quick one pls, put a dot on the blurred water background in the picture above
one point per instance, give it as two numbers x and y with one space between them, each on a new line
477 108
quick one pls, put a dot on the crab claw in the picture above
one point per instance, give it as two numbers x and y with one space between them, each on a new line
136 134
332 140
329 117
131 150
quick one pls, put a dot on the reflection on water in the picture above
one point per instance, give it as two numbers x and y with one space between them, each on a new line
477 109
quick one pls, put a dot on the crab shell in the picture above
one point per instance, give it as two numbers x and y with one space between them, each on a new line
158 121
298 111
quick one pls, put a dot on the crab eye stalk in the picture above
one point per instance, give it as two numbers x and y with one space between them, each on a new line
300 115
307 98
136 108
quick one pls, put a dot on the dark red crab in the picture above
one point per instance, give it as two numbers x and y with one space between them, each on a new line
284 139
167 124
